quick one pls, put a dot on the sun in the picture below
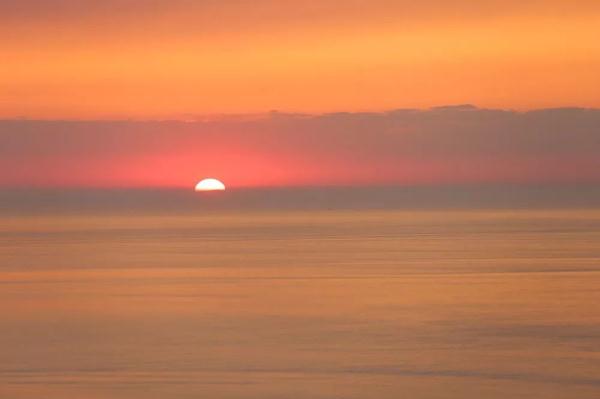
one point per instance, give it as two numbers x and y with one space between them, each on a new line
209 185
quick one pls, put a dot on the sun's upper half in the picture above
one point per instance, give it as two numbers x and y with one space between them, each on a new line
210 184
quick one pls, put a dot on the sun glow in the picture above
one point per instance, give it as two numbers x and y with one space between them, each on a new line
210 185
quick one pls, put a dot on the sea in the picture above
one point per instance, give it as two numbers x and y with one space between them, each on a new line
320 293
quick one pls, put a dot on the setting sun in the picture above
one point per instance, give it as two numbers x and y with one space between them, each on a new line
209 185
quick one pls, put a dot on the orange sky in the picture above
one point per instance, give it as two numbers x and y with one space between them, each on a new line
176 58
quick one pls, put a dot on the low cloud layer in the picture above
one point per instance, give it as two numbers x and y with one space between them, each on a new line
457 144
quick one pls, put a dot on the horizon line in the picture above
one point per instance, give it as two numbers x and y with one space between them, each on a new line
515 184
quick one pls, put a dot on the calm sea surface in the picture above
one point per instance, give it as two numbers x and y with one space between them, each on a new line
301 304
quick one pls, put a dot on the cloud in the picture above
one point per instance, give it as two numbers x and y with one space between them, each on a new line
452 144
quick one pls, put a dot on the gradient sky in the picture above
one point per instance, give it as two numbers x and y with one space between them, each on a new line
171 58
164 92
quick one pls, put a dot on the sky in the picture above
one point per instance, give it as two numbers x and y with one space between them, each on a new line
161 93
443 145
84 59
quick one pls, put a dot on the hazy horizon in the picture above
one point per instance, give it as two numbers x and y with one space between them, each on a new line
178 200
